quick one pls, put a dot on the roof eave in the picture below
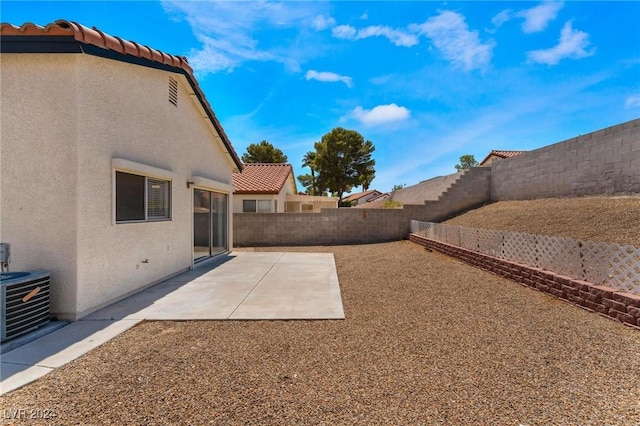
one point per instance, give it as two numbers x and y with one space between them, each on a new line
128 49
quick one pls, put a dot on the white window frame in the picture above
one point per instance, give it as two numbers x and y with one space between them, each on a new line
134 168
265 203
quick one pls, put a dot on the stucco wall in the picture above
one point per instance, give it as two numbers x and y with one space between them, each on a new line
125 113
39 168
606 161
104 109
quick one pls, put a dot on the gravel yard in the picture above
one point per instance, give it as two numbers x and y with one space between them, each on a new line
603 218
426 340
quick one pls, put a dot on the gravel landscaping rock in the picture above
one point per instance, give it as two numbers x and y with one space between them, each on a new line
426 340
610 219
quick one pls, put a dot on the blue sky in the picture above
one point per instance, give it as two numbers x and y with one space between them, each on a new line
425 81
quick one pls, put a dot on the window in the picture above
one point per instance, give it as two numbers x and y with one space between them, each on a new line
264 206
275 206
248 206
142 198
253 206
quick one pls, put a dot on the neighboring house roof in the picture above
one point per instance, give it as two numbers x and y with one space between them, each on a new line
358 195
56 37
262 178
377 197
501 154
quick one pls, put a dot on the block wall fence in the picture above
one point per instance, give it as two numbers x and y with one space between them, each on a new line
603 162
620 306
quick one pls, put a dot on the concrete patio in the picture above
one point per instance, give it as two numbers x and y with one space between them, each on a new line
238 286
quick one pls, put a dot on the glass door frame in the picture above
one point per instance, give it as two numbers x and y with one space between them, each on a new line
213 188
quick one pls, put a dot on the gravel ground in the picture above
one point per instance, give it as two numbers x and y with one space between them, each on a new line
427 340
607 219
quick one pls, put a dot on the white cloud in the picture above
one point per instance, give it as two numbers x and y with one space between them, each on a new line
632 101
322 22
382 114
572 44
537 18
395 36
329 77
502 17
344 31
226 31
450 34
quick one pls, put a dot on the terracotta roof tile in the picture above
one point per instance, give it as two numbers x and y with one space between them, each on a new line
95 37
261 178
502 154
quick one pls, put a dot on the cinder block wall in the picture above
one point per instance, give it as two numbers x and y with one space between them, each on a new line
357 226
603 162
427 190
330 226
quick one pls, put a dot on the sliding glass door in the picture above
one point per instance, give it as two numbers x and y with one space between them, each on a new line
209 223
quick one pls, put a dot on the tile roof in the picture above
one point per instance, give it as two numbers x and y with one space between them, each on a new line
359 195
262 178
502 154
95 37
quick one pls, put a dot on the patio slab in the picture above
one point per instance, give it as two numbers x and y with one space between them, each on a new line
238 286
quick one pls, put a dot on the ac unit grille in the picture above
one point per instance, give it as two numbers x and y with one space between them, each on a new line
18 316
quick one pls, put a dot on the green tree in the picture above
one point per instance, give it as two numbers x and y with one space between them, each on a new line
396 187
466 162
309 181
263 152
343 161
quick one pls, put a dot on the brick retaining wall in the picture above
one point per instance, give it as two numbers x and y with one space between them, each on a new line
607 301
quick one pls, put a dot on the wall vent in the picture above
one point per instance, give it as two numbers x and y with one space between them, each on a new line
173 91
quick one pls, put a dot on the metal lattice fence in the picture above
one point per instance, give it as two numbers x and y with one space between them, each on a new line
612 265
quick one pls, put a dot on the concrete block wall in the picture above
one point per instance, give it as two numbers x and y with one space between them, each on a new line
471 189
603 162
427 190
617 305
330 226
358 226
606 161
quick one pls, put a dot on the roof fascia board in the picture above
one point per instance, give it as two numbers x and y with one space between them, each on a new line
44 44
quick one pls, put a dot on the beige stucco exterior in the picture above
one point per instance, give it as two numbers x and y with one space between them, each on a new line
288 201
288 188
310 203
68 122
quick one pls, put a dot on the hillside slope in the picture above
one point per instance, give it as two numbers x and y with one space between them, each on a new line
609 219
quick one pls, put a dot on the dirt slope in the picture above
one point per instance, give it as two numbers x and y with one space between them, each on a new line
608 219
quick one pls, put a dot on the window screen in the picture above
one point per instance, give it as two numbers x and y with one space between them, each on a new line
264 206
249 206
157 199
140 198
129 197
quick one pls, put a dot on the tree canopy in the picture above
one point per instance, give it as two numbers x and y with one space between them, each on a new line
263 152
466 162
309 181
342 160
